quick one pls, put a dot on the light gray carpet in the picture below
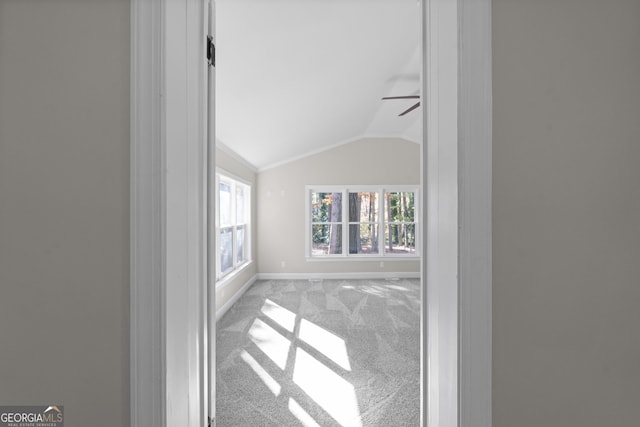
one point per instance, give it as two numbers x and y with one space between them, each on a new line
321 353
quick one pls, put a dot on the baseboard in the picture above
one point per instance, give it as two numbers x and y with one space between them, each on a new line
364 275
234 298
311 276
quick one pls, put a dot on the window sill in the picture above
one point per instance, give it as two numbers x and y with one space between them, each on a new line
231 276
362 258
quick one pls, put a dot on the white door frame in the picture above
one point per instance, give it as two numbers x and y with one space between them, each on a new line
168 214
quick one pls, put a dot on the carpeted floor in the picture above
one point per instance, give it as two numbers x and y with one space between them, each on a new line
321 353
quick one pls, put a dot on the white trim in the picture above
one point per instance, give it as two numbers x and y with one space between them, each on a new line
185 121
410 139
330 147
147 356
389 136
458 372
440 376
475 213
209 302
222 171
225 280
235 156
339 276
168 214
227 305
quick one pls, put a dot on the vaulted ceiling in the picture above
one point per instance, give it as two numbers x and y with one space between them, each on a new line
294 77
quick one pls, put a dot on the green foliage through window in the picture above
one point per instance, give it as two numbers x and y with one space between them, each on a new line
374 222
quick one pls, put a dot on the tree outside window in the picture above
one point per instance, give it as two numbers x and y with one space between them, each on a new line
362 222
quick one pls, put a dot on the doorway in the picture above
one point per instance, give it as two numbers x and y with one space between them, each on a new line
291 95
167 332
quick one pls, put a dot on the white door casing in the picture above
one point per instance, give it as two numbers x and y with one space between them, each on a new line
210 345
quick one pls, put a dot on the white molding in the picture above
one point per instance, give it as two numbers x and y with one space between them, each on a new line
475 213
168 293
185 144
339 276
439 172
211 192
229 278
329 148
218 170
147 357
227 305
235 156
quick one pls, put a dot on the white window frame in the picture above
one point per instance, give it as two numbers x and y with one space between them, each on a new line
345 190
234 181
169 290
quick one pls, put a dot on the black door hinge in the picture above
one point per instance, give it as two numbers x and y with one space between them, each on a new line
211 51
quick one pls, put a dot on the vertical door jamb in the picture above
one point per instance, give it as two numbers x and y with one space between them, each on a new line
211 236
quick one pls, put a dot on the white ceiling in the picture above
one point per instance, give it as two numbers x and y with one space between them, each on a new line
294 77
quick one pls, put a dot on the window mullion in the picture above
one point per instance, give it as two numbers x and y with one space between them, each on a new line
309 229
345 220
416 226
217 228
381 229
234 222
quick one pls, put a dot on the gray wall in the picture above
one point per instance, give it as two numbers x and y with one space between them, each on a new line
281 201
566 213
64 207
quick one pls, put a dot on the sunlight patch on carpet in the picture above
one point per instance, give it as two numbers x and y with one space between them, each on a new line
301 414
280 315
325 342
328 389
274 345
262 374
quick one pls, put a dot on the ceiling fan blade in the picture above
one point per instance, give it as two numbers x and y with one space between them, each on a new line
408 110
402 97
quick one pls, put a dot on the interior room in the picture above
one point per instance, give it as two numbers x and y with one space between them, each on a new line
312 123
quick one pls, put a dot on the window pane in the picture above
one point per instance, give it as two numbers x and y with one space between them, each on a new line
326 207
240 237
233 224
240 195
226 249
363 239
400 239
399 207
363 207
326 239
225 204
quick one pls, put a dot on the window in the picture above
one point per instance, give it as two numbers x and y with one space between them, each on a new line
361 222
232 224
